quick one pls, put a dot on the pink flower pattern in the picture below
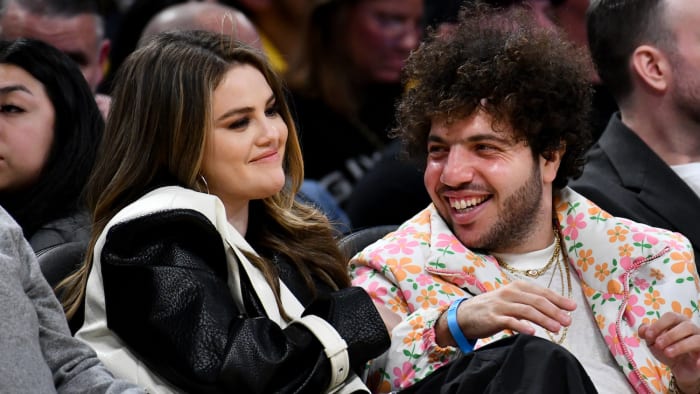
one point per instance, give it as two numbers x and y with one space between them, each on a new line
401 246
573 224
633 309
403 374
641 283
449 241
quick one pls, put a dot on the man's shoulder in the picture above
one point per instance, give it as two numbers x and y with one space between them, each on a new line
586 223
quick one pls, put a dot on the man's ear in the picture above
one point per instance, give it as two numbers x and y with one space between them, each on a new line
651 67
549 163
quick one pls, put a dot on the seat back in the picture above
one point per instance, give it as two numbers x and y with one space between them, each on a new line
59 261
354 242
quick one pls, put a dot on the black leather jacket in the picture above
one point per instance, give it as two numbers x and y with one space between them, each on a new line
166 296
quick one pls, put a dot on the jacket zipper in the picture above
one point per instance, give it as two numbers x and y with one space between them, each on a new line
636 265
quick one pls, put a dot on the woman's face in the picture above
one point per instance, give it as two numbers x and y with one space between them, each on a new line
244 153
26 127
381 34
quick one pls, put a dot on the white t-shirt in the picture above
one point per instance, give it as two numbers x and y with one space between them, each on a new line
583 338
690 173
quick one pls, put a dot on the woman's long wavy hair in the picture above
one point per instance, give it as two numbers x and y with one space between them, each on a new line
77 130
159 123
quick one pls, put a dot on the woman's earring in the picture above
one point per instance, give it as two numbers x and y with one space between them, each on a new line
204 180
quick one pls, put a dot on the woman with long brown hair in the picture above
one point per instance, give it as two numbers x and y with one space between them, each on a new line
204 273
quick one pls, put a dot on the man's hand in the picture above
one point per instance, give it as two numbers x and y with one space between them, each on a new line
675 341
513 306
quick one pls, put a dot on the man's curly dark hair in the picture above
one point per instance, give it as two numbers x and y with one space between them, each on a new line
532 78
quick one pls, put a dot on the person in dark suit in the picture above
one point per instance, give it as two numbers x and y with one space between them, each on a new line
646 165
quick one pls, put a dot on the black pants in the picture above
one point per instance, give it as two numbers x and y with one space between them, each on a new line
518 364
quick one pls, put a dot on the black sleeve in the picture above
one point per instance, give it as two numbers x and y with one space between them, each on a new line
166 296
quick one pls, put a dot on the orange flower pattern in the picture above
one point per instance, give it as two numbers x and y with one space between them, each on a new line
585 259
617 234
602 271
630 274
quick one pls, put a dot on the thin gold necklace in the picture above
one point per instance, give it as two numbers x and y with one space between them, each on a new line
536 272
568 295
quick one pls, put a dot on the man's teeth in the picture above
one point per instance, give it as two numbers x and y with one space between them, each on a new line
466 203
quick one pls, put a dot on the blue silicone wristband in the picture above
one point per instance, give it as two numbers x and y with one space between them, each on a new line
464 344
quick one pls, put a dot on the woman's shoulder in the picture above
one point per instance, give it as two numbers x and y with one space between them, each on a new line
176 238
170 198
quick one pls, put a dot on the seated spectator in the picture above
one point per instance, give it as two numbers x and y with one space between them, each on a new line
37 352
234 286
646 165
51 127
73 26
505 247
345 83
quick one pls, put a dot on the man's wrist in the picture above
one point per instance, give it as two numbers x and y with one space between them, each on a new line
443 337
464 344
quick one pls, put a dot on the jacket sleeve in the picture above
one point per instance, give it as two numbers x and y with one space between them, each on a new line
167 297
413 354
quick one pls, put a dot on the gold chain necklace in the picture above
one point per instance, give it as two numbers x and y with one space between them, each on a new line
568 295
536 272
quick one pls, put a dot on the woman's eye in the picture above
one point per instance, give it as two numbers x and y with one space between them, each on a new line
272 111
9 108
238 123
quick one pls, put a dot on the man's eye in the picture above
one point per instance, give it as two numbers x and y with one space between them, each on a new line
483 147
436 149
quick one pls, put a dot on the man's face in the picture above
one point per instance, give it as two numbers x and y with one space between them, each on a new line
486 186
75 36
683 18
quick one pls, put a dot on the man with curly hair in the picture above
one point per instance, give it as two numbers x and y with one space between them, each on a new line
647 53
498 113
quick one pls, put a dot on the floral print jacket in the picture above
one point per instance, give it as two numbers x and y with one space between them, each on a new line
630 273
